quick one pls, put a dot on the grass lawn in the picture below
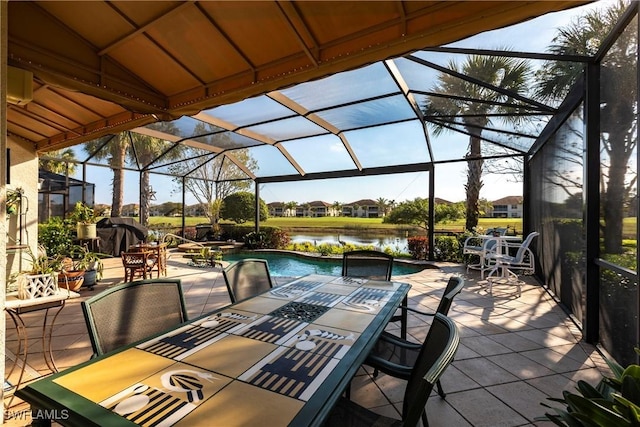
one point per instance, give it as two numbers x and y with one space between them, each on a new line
361 224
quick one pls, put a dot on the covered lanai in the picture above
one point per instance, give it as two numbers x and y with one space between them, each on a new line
346 82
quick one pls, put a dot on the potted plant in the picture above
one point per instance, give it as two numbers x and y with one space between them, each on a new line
614 401
41 280
94 269
73 267
85 219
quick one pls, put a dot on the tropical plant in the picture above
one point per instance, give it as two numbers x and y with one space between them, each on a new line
290 207
383 205
114 149
42 263
80 258
464 103
62 162
55 236
82 214
256 240
584 36
13 200
613 402
148 149
337 208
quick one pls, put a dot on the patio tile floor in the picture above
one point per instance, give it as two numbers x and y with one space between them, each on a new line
514 352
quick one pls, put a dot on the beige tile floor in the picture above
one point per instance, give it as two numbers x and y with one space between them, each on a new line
514 352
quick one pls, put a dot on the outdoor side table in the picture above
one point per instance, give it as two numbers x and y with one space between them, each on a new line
16 307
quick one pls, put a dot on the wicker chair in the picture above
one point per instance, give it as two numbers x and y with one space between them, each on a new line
138 264
246 278
130 312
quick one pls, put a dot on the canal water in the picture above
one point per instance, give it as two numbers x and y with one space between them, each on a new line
395 242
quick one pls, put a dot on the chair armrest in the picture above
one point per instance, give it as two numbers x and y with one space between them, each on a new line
399 342
424 313
389 368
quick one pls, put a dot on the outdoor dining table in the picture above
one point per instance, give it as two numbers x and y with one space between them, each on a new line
281 358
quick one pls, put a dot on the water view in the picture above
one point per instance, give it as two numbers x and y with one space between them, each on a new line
395 242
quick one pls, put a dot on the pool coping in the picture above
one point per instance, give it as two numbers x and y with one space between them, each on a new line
333 258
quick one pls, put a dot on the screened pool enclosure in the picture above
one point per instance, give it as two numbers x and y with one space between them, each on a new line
575 154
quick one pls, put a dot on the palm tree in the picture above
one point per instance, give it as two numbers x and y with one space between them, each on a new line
115 152
337 208
291 207
473 105
583 36
383 204
64 163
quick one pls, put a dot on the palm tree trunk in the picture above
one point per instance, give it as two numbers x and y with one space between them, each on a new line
117 196
615 197
145 198
474 181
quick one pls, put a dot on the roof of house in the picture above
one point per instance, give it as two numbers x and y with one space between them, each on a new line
363 202
509 200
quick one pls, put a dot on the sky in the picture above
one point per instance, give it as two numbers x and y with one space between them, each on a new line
531 36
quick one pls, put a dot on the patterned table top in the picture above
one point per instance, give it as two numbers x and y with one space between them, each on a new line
281 358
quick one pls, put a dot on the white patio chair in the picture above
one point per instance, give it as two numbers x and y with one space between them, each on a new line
479 246
506 268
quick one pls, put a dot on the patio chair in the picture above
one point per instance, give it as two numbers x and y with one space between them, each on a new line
246 278
374 265
138 264
505 267
396 356
479 246
434 357
129 312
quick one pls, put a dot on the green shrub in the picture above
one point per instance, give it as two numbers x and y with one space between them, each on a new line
614 402
447 248
418 247
55 236
255 240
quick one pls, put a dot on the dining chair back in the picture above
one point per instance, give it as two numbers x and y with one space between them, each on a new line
246 278
374 265
369 264
396 356
138 264
129 312
435 356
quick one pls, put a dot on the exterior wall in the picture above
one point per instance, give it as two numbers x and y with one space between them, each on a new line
507 211
23 173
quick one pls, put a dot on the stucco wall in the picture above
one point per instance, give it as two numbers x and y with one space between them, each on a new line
23 173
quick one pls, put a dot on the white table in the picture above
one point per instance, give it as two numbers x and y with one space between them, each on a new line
15 307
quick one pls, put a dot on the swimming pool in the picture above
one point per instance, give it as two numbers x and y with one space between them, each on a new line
284 264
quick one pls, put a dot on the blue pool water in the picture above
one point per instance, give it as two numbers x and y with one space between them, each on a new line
290 265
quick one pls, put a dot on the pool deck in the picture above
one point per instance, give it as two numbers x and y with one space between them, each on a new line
514 352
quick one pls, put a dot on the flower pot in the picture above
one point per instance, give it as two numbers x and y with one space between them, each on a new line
71 280
90 278
86 231
37 285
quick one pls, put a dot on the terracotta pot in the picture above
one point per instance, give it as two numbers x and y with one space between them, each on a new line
71 280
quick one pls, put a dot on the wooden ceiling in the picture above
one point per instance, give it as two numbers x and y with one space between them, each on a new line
102 67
